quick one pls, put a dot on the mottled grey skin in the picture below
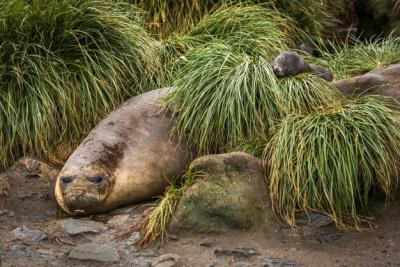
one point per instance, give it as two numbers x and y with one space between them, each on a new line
383 81
133 152
290 63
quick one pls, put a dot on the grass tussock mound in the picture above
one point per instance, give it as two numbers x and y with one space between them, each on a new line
253 30
64 65
223 96
165 17
356 57
334 160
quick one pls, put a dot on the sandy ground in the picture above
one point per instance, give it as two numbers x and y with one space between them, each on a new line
30 202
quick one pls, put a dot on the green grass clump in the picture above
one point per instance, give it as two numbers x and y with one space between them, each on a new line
356 57
223 96
334 160
64 65
156 223
252 29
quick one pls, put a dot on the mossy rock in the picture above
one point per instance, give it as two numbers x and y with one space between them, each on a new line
233 194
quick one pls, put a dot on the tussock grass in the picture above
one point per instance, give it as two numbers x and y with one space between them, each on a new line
334 160
313 17
356 57
223 96
155 224
64 65
253 29
165 17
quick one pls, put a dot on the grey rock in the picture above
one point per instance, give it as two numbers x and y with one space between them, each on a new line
330 237
243 264
3 211
140 262
232 194
167 260
133 238
314 225
96 252
24 232
74 226
45 253
22 250
313 219
124 210
118 220
237 252
272 262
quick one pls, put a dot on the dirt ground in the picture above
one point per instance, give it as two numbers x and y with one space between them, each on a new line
31 203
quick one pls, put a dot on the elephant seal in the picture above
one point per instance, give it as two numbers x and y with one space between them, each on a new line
290 63
130 156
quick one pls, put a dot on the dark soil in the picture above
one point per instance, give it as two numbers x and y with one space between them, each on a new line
31 202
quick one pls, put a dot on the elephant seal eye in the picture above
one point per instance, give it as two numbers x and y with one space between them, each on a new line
66 180
97 180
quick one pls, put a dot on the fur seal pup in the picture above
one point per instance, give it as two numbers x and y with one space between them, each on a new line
130 156
290 63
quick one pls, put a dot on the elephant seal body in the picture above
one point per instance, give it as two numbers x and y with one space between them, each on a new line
130 156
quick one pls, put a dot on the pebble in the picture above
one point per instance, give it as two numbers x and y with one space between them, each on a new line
75 226
96 252
24 232
118 220
22 250
270 262
167 260
133 238
238 252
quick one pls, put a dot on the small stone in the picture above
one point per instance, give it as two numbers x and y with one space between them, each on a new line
173 237
96 252
167 260
270 262
243 264
206 244
133 238
118 220
44 253
124 210
24 232
22 250
238 252
3 211
330 237
313 219
4 185
74 226
24 194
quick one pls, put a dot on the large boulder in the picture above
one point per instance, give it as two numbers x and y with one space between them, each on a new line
383 81
231 194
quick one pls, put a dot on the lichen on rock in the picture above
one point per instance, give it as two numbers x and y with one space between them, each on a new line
231 195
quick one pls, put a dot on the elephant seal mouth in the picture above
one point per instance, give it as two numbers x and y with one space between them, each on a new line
81 202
